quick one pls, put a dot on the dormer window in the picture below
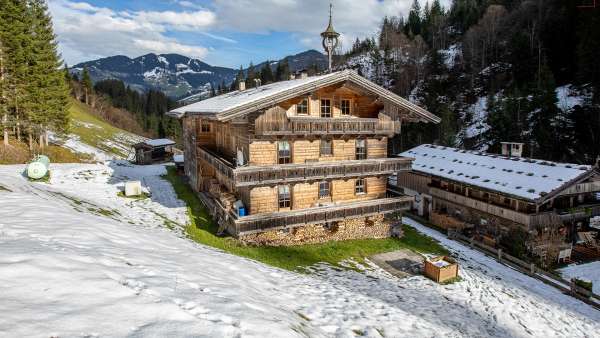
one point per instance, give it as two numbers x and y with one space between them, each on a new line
345 107
325 108
302 107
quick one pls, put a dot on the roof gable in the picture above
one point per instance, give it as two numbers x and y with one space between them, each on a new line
528 179
231 105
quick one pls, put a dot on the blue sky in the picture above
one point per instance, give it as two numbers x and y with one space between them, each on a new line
226 33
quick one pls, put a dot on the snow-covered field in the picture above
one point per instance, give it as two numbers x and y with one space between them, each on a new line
76 260
588 271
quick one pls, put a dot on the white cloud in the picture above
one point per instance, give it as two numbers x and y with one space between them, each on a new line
86 32
171 47
178 20
307 18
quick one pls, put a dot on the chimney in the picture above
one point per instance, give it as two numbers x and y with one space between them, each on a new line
512 149
241 86
292 77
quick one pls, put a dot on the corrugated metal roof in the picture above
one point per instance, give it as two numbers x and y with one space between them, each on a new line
526 178
237 103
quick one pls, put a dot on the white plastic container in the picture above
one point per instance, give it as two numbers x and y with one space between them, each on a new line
133 188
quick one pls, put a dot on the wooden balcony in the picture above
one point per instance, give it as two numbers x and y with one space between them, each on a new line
300 125
302 172
529 220
318 215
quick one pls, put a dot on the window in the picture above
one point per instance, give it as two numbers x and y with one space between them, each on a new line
302 107
324 190
361 149
325 108
359 186
285 200
326 148
345 107
205 127
284 152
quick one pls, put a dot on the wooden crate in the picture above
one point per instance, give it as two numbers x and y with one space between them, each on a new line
441 269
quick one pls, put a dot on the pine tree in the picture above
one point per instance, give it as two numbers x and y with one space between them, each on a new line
86 80
15 36
48 90
282 72
250 76
266 74
414 18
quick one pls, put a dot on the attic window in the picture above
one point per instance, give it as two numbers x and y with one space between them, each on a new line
302 107
325 108
345 107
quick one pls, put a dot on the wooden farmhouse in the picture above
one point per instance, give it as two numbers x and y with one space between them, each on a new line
303 160
490 194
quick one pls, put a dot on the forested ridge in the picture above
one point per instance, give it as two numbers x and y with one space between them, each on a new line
143 113
494 70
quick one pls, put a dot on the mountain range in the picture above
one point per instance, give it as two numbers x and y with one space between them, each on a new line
178 75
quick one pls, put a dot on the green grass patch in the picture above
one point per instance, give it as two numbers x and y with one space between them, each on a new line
203 230
93 130
452 280
143 196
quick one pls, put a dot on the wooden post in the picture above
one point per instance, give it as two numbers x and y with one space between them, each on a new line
500 254
532 268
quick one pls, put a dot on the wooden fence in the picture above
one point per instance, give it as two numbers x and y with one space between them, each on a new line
526 267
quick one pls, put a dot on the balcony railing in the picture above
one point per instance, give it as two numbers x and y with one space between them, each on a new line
318 215
325 126
529 220
301 172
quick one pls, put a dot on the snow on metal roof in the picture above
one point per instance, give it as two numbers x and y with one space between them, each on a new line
159 142
234 99
522 177
237 103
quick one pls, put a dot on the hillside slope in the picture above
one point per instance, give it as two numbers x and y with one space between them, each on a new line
77 260
89 134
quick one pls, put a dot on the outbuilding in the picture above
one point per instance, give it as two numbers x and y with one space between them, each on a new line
152 151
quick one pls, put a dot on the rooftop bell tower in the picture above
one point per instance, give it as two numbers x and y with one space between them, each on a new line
330 38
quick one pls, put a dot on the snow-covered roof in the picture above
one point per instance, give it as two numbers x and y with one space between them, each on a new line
160 142
522 177
227 106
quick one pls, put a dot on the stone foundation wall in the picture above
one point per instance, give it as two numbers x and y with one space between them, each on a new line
358 228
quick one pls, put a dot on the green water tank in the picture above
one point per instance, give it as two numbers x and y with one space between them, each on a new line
38 168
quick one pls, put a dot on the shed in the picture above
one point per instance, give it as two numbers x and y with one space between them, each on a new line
441 269
152 151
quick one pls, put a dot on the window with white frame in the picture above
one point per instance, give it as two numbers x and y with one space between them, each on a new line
285 197
361 149
325 108
324 189
345 107
284 152
205 127
326 148
360 186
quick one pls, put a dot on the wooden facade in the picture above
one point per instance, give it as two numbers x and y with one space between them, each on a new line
302 152
315 158
551 221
